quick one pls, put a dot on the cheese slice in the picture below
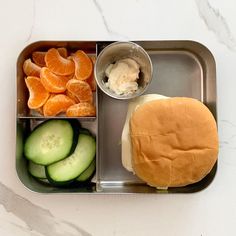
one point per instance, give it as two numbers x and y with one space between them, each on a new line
126 149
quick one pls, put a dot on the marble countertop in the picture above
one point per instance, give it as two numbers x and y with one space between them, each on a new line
211 212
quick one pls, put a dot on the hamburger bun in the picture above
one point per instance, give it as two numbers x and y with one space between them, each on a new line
126 149
174 141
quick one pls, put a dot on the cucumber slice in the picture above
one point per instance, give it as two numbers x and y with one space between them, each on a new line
87 174
84 131
37 170
44 181
71 167
51 141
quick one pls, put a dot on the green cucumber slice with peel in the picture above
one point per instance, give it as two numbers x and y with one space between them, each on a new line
50 142
87 174
70 168
37 170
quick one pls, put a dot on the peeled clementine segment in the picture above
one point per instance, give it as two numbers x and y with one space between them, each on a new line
52 95
63 52
31 69
81 109
39 58
91 81
72 76
57 104
72 96
83 65
81 90
58 64
38 95
52 82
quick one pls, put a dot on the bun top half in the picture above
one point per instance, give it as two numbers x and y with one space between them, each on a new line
174 142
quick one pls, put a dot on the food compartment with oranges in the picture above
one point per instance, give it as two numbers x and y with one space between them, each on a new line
55 81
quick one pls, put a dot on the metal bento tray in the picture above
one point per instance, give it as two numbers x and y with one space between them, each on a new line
180 68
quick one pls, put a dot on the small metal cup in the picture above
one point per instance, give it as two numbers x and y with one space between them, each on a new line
120 50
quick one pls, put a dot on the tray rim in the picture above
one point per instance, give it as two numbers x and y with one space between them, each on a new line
161 42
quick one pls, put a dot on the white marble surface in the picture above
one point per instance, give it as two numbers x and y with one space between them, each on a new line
211 212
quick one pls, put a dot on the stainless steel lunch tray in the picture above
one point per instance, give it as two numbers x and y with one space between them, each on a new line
180 68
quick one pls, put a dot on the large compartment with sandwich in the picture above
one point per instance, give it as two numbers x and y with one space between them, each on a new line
180 68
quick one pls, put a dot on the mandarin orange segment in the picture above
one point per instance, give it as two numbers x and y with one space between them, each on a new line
63 52
81 90
57 104
81 109
52 82
72 96
83 65
31 69
38 58
72 76
57 64
91 81
38 95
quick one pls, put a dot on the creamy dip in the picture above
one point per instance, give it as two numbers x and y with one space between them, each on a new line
123 76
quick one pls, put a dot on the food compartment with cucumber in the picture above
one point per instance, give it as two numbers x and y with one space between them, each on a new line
58 154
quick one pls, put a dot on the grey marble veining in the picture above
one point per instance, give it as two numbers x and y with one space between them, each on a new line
32 21
216 23
106 25
38 221
228 136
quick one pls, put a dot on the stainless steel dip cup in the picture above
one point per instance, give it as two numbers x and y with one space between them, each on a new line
121 50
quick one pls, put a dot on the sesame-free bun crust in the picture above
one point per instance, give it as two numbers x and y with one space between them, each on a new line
174 142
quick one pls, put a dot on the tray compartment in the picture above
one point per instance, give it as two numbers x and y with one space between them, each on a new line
24 126
22 91
181 68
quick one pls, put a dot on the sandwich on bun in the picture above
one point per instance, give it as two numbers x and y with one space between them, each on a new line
169 142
